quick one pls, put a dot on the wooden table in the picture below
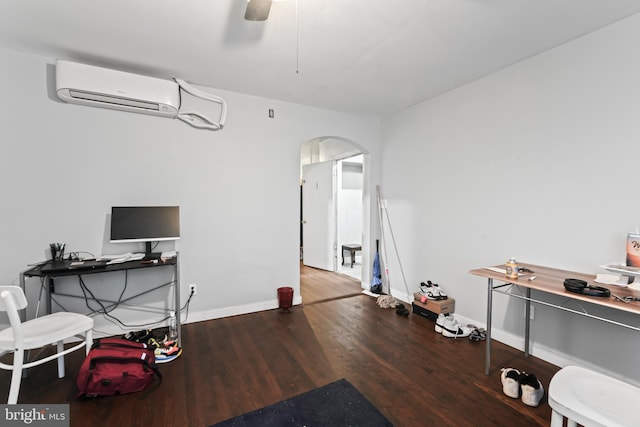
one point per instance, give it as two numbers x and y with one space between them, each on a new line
550 281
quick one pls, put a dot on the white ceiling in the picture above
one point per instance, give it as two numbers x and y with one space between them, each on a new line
348 55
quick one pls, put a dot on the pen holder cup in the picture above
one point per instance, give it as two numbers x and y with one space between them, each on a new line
57 252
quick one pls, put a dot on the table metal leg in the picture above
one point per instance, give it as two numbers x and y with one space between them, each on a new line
23 318
527 322
177 307
23 313
487 356
49 290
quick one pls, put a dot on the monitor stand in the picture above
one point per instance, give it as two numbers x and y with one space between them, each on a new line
148 255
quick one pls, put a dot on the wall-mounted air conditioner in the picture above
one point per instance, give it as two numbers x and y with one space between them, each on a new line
118 90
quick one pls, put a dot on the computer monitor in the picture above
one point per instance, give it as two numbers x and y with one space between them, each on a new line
145 224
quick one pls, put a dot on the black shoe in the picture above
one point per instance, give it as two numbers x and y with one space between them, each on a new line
401 310
138 336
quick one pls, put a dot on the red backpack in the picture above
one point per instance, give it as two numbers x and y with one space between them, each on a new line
116 366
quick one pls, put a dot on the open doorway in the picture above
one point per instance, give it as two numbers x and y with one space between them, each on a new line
332 206
349 213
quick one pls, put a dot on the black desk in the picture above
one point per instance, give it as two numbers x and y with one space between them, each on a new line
50 278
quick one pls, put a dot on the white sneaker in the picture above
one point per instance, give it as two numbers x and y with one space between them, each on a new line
440 322
424 289
452 329
532 389
510 378
437 290
432 291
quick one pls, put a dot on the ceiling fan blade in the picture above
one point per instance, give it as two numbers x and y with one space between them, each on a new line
257 10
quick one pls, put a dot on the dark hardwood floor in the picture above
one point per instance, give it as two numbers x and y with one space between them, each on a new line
413 375
319 285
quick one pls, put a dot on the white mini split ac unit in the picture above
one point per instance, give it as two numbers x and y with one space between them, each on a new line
105 88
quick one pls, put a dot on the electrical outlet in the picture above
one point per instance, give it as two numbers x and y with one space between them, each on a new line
193 289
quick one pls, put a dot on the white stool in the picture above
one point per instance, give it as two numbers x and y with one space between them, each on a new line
592 399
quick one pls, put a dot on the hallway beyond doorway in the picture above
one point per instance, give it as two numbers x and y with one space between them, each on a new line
355 271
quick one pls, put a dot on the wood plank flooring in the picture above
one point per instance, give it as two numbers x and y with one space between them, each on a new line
318 285
413 375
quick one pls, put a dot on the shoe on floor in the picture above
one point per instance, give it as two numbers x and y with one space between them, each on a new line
156 343
402 310
158 336
452 329
167 355
477 334
440 322
510 378
138 336
532 389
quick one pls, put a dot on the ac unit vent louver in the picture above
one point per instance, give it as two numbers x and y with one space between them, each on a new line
115 100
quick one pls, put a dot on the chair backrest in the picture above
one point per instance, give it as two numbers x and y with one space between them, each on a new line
16 293
12 299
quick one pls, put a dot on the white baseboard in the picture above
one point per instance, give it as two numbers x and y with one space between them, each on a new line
199 316
219 313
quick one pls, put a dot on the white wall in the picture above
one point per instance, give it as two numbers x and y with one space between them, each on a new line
538 161
63 166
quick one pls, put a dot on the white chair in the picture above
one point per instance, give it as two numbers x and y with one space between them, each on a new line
36 333
592 399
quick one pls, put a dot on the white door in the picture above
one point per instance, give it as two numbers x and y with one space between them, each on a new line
319 217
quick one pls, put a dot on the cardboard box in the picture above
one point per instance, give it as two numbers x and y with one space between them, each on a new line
444 306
